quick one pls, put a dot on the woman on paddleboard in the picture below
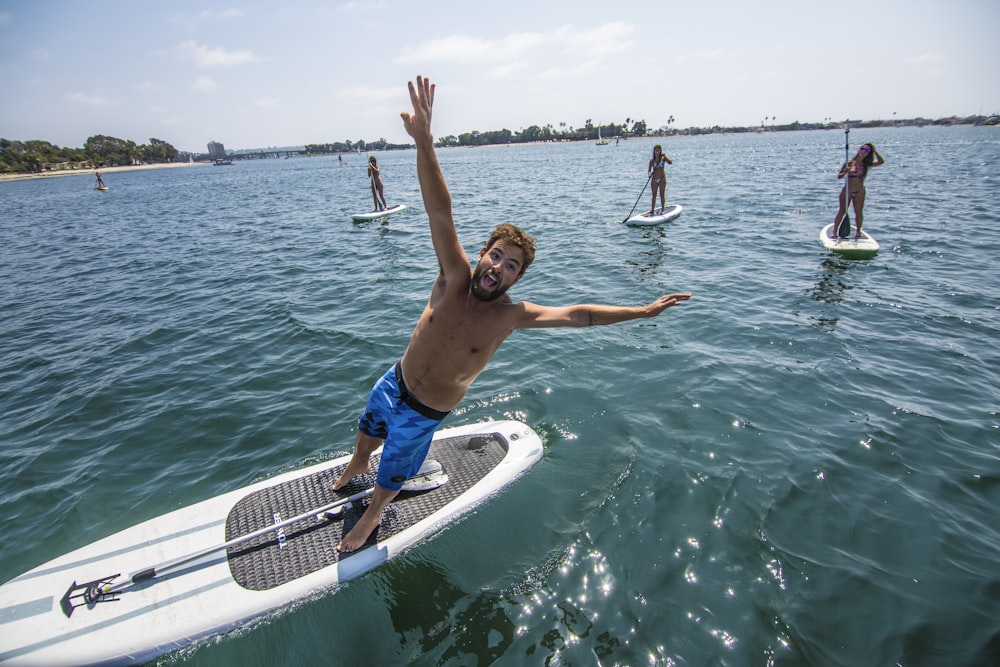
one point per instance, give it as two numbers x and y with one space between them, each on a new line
856 170
375 176
658 177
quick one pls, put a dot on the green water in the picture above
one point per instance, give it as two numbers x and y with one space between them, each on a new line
799 466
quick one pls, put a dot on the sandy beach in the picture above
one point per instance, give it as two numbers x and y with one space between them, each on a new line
105 170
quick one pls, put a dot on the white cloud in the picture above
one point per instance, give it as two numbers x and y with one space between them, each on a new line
88 99
605 39
755 77
148 86
204 84
204 17
577 69
4 18
369 94
362 5
165 116
508 69
451 48
567 40
924 59
699 55
266 102
928 64
206 57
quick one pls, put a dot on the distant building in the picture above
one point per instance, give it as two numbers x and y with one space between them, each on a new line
216 150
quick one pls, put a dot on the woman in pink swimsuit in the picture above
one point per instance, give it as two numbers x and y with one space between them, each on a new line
854 190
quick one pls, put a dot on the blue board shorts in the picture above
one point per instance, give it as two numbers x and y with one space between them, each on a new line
405 424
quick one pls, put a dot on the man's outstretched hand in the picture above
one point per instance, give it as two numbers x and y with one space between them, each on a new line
418 124
666 301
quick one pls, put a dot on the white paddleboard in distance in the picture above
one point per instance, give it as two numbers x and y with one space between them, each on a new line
863 247
645 219
375 215
56 614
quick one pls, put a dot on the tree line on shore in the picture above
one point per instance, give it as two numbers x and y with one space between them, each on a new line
532 134
630 129
535 133
37 156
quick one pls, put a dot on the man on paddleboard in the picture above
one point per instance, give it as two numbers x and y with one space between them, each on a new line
466 319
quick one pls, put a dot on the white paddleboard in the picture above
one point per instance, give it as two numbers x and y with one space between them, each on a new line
375 215
863 247
669 213
57 614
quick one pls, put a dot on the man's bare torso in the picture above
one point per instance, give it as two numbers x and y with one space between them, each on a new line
453 341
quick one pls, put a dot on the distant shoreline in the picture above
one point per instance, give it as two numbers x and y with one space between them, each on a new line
104 170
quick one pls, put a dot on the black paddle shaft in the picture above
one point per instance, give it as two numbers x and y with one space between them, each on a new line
845 225
639 197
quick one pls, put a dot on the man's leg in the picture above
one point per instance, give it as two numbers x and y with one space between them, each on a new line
368 522
360 463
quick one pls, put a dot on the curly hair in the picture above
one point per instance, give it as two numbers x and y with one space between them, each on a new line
516 236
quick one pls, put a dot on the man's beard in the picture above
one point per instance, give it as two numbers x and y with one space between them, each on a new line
480 292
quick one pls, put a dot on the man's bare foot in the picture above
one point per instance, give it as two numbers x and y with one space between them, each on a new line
355 467
362 530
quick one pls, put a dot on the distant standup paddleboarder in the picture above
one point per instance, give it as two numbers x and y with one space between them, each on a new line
100 181
856 170
658 177
467 317
375 176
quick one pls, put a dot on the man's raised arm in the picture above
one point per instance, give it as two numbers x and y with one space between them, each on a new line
437 199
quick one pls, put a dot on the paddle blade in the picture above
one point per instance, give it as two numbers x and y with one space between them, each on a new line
845 227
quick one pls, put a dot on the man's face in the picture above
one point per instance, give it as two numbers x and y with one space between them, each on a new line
498 269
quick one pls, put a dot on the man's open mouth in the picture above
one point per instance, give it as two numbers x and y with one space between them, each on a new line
488 281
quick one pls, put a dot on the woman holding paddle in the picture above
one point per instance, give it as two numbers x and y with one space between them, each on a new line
658 177
856 170
375 176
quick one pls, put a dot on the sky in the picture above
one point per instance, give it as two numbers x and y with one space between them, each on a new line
255 74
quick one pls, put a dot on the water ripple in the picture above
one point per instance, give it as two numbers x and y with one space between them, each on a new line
798 466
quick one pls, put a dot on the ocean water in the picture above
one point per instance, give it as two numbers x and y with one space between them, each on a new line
799 466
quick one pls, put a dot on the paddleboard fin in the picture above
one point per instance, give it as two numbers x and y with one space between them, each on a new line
89 593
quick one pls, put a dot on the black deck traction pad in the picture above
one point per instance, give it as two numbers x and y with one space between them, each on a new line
309 545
